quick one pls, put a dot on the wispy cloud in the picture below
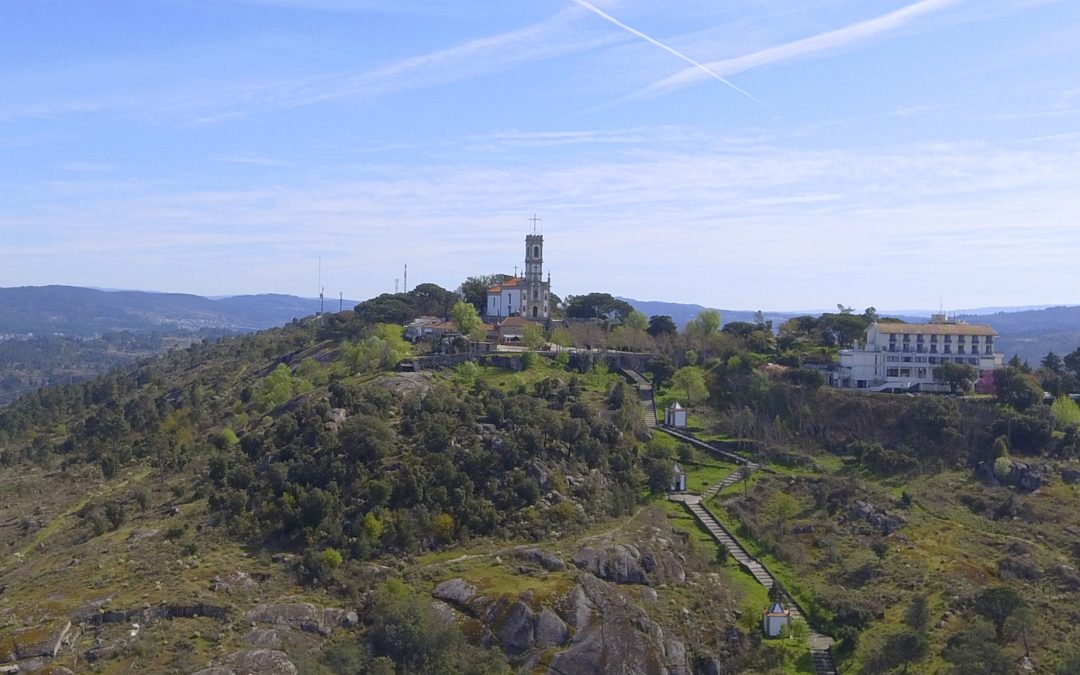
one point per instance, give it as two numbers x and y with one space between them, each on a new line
671 50
248 158
855 33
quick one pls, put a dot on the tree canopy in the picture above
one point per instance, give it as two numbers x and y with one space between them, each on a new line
474 289
597 306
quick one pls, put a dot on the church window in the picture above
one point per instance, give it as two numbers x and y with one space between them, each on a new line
536 251
534 312
536 294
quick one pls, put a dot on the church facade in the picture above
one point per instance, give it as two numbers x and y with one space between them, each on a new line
525 296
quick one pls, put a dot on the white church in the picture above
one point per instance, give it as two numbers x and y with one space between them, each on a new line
525 296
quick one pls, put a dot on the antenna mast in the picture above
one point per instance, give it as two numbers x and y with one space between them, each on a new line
406 288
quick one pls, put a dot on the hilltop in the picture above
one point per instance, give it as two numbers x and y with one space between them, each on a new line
286 497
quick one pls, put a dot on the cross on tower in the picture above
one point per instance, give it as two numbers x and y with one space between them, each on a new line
535 220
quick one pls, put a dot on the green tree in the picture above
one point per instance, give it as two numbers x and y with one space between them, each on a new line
597 306
661 324
997 604
474 289
917 616
1065 411
899 649
433 300
959 376
635 320
466 319
1015 388
691 380
707 322
779 510
1072 362
973 652
532 336
1053 362
396 308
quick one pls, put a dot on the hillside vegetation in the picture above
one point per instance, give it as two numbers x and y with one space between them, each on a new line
285 496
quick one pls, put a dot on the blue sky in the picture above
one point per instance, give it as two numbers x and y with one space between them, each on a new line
776 154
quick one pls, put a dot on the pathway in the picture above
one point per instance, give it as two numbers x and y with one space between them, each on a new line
820 645
645 393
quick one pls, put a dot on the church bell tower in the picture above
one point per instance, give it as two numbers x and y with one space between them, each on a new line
535 302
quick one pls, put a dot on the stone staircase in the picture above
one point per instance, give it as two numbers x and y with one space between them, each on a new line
645 392
728 480
820 645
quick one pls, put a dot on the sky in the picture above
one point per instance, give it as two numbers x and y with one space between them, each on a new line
750 154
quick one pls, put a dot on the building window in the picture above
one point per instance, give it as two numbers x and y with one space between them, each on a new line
989 349
534 312
933 338
536 251
973 362
536 294
948 339
933 349
892 372
959 349
948 349
905 372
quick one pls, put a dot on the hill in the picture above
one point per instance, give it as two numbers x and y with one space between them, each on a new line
285 499
1030 334
57 334
87 312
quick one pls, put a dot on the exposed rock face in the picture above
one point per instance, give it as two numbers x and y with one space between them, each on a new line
252 662
234 582
884 522
303 616
29 643
550 630
614 636
545 559
984 471
166 611
1070 476
517 632
615 563
457 591
1024 477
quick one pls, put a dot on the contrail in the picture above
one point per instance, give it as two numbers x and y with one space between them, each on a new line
604 15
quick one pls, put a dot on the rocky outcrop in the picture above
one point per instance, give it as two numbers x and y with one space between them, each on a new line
252 662
550 629
29 643
304 617
1024 476
613 635
546 559
234 582
616 563
456 591
885 523
165 611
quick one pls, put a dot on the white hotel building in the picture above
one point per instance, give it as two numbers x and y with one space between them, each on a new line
906 355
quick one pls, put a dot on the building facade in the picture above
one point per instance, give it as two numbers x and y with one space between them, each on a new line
526 296
906 356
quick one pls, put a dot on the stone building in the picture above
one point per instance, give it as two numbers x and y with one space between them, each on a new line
526 296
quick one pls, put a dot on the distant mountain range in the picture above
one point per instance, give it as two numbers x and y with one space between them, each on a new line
86 312
1023 331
